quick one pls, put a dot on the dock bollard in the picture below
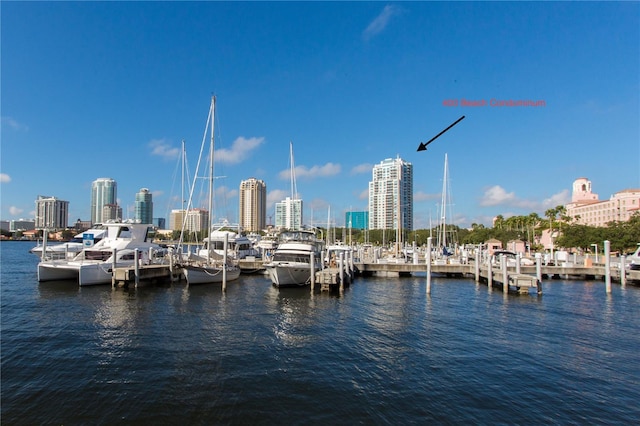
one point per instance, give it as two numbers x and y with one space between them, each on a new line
429 265
477 265
136 259
505 275
623 270
224 261
113 267
539 267
490 272
607 265
312 266
341 266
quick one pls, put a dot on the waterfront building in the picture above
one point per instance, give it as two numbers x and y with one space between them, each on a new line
4 225
111 212
196 220
103 191
23 225
391 195
356 220
159 222
585 207
51 213
289 214
144 207
253 205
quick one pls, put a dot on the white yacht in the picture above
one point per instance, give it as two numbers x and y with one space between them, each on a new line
291 264
69 249
94 265
238 246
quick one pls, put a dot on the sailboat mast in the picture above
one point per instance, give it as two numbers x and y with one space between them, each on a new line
212 113
443 215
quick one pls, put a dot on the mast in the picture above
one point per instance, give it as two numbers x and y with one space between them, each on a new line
443 207
212 113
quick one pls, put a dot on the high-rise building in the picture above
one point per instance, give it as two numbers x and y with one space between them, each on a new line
253 205
144 207
196 220
356 220
103 191
289 214
391 195
111 212
51 213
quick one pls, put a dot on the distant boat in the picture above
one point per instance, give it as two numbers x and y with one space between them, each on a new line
291 264
93 265
70 249
238 246
208 267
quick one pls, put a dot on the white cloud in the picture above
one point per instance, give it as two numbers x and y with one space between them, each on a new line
380 22
560 199
15 211
302 172
161 148
362 168
224 192
276 196
364 195
421 196
239 151
5 178
496 195
13 124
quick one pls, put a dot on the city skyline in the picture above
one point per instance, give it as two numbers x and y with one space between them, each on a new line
548 90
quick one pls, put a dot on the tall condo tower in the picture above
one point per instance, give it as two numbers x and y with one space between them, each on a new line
391 195
289 214
144 207
253 205
51 213
104 191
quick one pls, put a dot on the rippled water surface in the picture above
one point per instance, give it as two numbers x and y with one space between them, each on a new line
383 352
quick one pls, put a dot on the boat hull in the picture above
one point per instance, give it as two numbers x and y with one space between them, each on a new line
289 274
57 271
208 274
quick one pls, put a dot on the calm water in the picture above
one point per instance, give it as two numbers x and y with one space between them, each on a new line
381 353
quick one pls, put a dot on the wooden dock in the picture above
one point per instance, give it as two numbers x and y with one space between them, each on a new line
147 274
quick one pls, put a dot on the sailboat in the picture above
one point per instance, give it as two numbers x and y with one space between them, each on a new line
212 268
445 237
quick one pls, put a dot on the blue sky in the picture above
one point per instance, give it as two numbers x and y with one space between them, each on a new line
109 89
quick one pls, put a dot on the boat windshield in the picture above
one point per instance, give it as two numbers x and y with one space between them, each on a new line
289 257
297 236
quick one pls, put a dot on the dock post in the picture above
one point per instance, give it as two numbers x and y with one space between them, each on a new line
477 265
352 269
518 259
539 266
505 276
113 267
607 265
415 254
224 260
429 264
170 253
312 266
341 266
623 271
490 272
136 259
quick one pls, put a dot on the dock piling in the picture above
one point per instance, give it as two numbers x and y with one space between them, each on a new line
607 265
429 242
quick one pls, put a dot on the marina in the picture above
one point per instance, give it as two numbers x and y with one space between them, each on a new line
169 353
